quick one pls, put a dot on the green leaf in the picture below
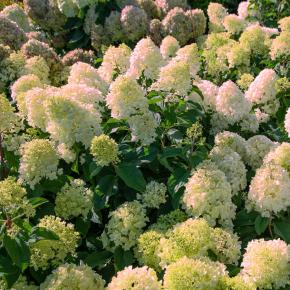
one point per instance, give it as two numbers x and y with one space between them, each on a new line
94 169
261 224
175 185
17 250
122 258
82 225
97 259
281 229
37 201
132 176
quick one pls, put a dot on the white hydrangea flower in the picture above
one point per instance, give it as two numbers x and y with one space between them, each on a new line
279 155
34 100
70 122
229 162
262 91
125 226
191 238
234 141
280 45
145 58
138 278
194 274
38 160
73 200
154 195
226 246
116 60
66 153
126 97
209 92
234 24
143 127
243 9
174 77
266 263
231 102
83 73
269 190
208 194
21 86
37 66
189 54
83 94
216 14
258 147
169 46
70 276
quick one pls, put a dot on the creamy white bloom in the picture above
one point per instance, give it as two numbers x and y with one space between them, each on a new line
209 92
115 61
143 127
266 263
243 9
231 102
138 278
208 194
126 97
262 89
174 77
258 148
169 46
145 58
229 162
38 160
234 24
234 141
216 14
83 73
279 155
71 122
189 54
84 95
269 190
